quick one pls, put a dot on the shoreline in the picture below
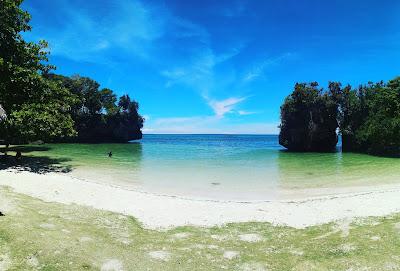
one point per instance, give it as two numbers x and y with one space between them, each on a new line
225 192
286 195
165 211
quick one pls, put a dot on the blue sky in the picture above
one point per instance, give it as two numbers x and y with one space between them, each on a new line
218 66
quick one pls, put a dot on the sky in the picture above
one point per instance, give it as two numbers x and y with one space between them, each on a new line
221 66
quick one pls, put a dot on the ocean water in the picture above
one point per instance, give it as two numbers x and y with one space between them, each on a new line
222 167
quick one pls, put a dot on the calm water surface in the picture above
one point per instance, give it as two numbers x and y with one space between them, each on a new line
229 167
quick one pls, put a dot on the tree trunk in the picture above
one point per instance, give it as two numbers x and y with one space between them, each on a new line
6 149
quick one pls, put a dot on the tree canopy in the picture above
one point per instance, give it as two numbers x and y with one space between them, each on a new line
368 118
35 107
308 119
97 115
40 107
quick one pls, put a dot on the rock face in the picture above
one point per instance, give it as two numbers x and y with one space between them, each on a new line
308 140
308 120
119 128
99 117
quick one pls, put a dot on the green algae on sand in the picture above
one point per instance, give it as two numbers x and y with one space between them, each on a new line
35 235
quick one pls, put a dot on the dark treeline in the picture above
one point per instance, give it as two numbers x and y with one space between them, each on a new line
367 118
97 115
38 105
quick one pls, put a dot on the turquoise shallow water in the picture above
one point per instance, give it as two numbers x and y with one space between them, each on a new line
234 167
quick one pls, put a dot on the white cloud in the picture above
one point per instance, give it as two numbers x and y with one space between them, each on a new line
224 106
137 30
209 124
259 69
199 71
199 60
244 113
232 52
84 36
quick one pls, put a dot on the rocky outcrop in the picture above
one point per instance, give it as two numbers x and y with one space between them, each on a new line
308 120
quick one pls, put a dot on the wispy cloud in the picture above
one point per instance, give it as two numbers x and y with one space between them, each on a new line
245 113
232 52
260 68
209 124
223 107
187 29
199 71
87 35
183 53
195 75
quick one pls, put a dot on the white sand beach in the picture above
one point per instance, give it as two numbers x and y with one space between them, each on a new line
163 212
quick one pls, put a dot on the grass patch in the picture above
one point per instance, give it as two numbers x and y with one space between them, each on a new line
35 235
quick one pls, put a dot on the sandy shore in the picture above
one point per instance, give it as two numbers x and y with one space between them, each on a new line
160 212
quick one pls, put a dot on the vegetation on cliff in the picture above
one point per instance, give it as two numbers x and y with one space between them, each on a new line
367 118
309 119
370 118
97 115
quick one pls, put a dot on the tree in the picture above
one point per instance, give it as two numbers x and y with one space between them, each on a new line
379 131
97 116
108 99
35 106
49 107
127 122
352 114
124 102
368 118
308 118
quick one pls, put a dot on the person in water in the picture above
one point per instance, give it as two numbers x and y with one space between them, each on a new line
18 155
110 154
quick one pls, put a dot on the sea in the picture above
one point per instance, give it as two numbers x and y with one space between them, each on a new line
221 167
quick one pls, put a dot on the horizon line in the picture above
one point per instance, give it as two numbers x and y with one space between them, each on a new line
205 134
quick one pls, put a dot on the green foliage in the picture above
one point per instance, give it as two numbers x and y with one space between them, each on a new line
373 119
96 114
368 117
50 107
108 100
308 118
35 107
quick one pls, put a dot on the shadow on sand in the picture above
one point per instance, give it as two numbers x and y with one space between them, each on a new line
35 164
